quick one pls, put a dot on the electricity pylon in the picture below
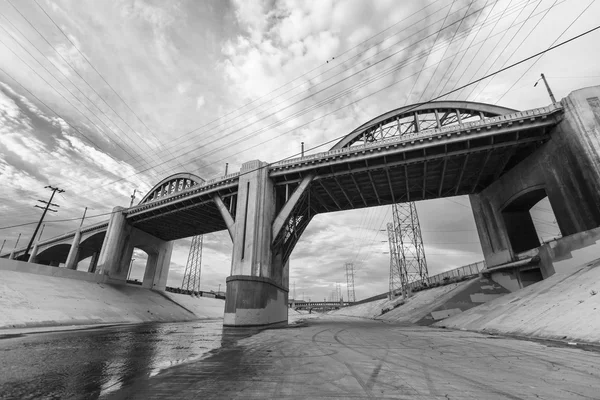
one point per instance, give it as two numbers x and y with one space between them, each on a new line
350 282
191 277
397 272
407 254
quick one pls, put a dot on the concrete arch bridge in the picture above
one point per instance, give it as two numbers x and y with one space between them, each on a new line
505 160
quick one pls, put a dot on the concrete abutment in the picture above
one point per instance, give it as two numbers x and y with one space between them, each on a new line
566 169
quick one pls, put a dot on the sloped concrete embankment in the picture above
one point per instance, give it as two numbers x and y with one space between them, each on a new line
427 306
31 300
563 306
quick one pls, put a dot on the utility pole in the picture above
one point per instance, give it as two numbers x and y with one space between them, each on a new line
2 248
132 198
547 88
82 218
46 209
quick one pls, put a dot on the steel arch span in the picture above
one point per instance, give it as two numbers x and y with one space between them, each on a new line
170 185
415 118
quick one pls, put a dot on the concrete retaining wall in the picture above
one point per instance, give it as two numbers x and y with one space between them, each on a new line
564 306
48 298
427 306
432 305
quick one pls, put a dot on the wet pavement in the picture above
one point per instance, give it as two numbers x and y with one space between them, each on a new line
324 358
92 363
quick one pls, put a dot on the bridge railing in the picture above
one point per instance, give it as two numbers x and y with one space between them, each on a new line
199 293
457 273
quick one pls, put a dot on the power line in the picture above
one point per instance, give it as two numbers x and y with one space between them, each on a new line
58 220
426 102
504 49
481 47
444 55
101 76
432 47
313 94
252 134
507 44
67 89
337 57
551 46
57 114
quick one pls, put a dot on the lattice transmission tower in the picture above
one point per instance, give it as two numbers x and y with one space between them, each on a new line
407 254
350 282
397 272
191 277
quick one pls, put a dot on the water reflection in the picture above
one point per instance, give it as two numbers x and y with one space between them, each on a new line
96 363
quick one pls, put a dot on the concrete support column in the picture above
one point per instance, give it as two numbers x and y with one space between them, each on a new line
157 267
491 230
71 262
116 249
256 294
33 253
94 262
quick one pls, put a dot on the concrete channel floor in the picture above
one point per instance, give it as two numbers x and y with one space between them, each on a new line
337 358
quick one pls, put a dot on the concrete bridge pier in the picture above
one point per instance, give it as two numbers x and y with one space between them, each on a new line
566 169
117 249
94 262
33 253
72 257
257 290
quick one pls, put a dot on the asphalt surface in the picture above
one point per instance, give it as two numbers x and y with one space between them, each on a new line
325 358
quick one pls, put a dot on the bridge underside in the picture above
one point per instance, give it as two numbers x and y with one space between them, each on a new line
190 216
419 173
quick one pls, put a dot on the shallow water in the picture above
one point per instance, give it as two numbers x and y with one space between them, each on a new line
90 364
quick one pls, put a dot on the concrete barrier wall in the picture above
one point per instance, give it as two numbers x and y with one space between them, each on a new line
475 292
569 252
565 306
36 298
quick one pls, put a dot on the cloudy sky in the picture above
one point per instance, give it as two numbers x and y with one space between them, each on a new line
103 97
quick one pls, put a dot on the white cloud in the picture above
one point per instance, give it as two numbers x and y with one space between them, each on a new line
183 87
200 102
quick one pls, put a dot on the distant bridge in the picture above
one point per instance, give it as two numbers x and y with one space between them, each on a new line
319 305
